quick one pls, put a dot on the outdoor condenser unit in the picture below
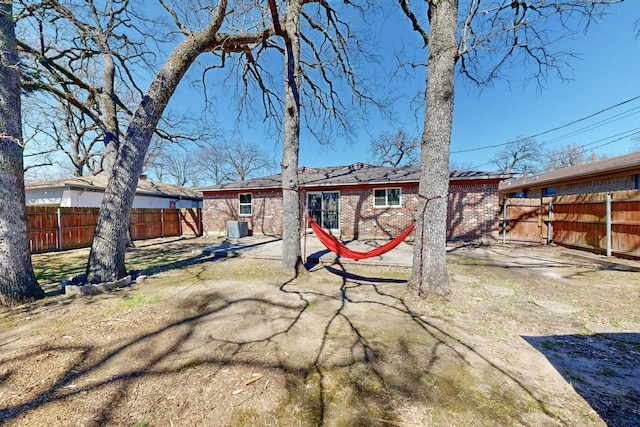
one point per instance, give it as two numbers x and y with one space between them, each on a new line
237 229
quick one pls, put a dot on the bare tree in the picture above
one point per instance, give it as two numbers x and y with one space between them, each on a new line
107 256
317 44
566 156
88 56
18 283
521 156
291 252
232 161
429 271
493 37
397 150
97 32
178 167
61 126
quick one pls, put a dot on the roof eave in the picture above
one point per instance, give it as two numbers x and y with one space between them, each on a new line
534 181
80 186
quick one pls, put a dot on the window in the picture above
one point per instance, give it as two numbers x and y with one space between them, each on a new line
385 197
519 195
245 204
638 182
549 191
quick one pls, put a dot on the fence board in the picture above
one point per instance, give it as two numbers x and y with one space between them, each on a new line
522 220
77 226
42 225
578 220
191 221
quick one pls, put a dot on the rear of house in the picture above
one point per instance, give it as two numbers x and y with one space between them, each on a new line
357 201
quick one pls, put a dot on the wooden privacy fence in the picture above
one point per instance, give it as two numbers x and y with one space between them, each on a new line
606 223
54 229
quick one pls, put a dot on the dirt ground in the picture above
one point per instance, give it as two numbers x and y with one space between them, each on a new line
532 336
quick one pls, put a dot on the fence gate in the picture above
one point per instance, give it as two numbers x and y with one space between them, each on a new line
607 223
522 221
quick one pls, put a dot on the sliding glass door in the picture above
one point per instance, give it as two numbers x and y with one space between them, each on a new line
324 209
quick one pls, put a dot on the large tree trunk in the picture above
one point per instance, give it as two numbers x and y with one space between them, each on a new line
291 249
107 257
18 284
429 273
109 112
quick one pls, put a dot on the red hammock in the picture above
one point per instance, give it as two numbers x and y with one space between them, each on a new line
335 245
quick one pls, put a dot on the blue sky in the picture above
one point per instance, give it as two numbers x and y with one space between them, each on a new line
605 74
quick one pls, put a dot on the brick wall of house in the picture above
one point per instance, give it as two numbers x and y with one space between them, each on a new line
473 212
266 215
360 219
618 183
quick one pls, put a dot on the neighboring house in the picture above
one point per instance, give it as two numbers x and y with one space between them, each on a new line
88 191
613 174
356 201
593 206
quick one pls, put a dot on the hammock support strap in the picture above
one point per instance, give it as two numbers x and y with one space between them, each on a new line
336 246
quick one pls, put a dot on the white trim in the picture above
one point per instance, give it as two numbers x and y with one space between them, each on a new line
245 215
386 198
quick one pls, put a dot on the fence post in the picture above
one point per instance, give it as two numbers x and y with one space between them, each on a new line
504 221
59 246
162 221
608 224
550 223
179 222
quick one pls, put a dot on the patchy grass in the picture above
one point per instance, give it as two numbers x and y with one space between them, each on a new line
232 341
130 303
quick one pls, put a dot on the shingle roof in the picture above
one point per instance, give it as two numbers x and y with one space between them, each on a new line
356 174
99 182
628 162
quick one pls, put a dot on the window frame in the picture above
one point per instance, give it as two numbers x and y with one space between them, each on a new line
386 198
241 204
518 195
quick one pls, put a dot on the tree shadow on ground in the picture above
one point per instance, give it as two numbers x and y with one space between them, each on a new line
354 370
160 260
602 368
494 256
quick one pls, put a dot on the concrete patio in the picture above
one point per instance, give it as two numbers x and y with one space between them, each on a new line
312 250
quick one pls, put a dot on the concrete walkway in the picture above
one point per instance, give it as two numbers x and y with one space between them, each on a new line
271 248
511 255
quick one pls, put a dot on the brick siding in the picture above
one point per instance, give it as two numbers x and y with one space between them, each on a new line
619 183
602 185
266 217
472 211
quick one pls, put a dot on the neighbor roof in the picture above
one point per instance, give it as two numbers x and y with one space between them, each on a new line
355 174
99 182
620 164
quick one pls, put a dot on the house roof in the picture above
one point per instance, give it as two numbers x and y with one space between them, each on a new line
99 182
355 174
613 165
